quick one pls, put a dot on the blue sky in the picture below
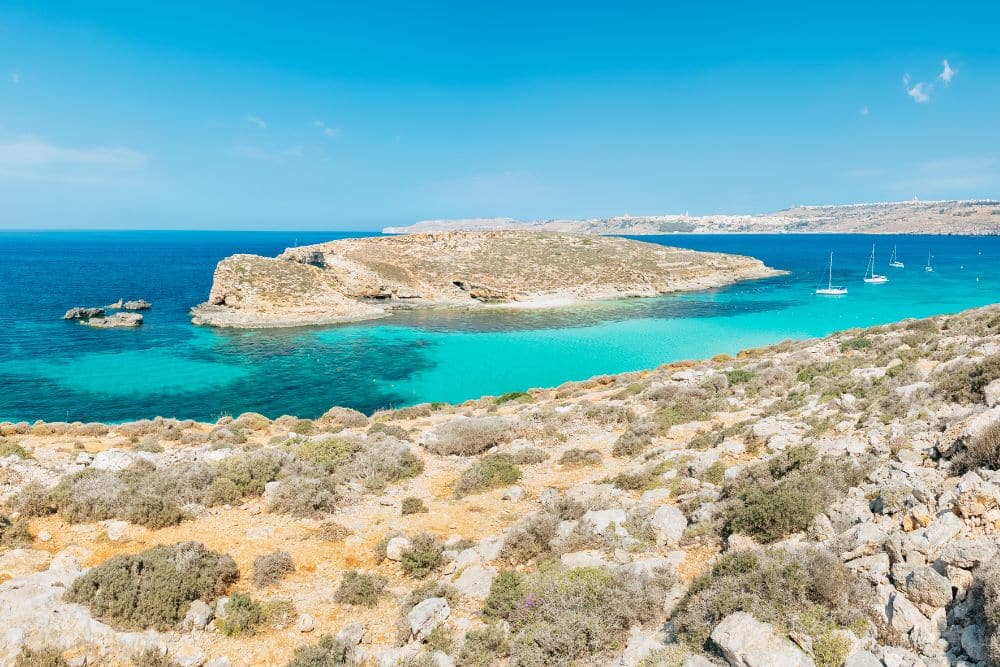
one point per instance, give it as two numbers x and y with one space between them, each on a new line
301 115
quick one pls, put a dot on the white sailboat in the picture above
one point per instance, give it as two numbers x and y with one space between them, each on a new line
830 290
894 260
870 276
929 268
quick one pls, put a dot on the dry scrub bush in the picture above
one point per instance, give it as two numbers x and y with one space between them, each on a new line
328 652
982 451
360 588
559 615
490 472
271 568
9 448
576 457
413 505
152 657
531 537
965 384
474 435
484 647
529 456
807 590
46 656
155 587
304 497
343 418
394 430
14 534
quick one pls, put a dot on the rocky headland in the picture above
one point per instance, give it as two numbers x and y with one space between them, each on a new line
965 217
364 278
826 502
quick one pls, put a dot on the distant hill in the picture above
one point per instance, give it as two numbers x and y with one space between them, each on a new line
964 217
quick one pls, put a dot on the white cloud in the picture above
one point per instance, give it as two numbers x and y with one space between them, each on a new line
32 151
256 121
920 92
863 111
15 77
947 73
329 132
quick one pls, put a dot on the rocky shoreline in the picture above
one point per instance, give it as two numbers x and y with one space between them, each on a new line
825 502
357 279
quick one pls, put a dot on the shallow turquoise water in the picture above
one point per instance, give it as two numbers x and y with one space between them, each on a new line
51 370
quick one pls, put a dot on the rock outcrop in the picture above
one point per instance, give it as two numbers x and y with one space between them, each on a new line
82 313
353 279
116 321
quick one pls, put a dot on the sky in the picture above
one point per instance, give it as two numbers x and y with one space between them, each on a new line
354 116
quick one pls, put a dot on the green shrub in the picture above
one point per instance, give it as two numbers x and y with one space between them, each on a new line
14 534
155 587
413 505
506 592
241 616
575 457
716 473
808 589
47 656
271 568
739 376
510 396
489 472
639 480
423 556
633 441
484 647
328 453
360 588
982 451
328 652
471 436
966 383
776 498
303 427
856 343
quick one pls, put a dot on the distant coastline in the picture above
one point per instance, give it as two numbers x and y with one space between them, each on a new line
970 217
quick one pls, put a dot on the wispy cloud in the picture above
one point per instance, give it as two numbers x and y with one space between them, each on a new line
947 74
37 159
329 132
863 111
944 178
256 121
268 155
31 151
15 78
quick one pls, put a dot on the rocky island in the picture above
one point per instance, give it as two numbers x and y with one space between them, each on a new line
819 503
364 278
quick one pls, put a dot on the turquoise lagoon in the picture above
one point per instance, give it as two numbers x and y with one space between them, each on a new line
54 370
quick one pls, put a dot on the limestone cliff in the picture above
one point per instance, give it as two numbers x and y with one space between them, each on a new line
352 279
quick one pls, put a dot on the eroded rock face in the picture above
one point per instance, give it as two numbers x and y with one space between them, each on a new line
746 642
352 279
81 313
116 321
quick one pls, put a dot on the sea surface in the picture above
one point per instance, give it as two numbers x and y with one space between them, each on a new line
56 370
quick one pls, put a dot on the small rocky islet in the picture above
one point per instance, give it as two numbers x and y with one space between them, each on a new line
100 319
823 502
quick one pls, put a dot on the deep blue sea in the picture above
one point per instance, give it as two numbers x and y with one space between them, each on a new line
56 370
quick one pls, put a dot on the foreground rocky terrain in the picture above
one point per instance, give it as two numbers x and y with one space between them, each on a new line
968 217
354 279
825 502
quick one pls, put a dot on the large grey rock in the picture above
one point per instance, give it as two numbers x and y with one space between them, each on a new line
475 580
351 635
198 615
927 588
395 547
600 520
894 656
116 321
862 658
746 642
668 523
81 313
640 645
992 393
427 615
973 644
943 529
